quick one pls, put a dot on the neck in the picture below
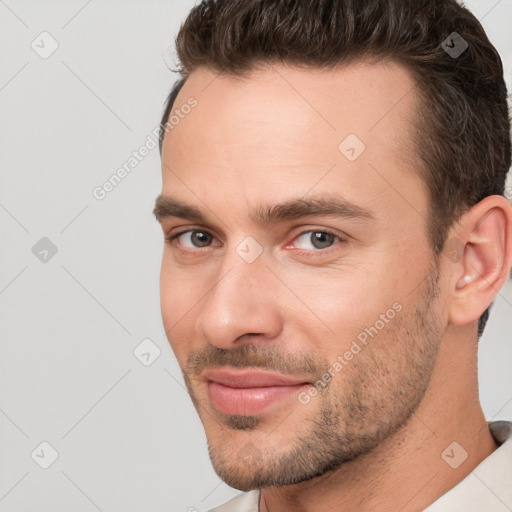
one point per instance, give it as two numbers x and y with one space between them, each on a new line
413 467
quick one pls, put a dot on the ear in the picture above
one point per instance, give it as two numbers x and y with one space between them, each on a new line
484 236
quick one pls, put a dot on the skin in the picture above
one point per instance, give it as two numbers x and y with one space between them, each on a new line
373 438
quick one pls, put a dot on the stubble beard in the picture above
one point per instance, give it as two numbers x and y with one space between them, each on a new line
377 393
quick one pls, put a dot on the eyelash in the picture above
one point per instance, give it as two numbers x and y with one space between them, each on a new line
171 238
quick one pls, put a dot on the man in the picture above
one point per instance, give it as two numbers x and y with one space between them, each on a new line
336 232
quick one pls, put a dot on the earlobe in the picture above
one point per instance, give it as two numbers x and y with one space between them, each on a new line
486 258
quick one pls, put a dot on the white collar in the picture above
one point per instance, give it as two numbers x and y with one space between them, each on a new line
489 486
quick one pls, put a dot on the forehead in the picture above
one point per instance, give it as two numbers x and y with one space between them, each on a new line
363 98
282 131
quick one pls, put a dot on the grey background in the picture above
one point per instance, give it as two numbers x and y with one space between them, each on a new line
127 436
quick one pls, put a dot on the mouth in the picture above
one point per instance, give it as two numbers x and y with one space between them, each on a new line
249 392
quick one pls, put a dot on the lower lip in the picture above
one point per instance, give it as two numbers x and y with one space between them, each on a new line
248 401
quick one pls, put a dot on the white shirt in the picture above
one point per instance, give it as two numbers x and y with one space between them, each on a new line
487 488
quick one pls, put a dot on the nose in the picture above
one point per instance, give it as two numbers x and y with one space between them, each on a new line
241 306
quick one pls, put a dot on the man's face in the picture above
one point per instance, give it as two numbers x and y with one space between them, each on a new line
306 332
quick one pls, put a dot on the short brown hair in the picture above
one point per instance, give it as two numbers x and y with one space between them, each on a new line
462 129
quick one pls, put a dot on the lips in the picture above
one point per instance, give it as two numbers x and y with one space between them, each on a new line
249 392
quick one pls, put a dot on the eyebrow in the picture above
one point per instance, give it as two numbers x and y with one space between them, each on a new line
266 215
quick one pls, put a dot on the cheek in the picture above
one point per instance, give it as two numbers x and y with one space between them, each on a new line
343 298
180 290
343 314
177 300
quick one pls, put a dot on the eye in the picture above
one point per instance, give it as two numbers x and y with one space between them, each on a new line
193 239
316 240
